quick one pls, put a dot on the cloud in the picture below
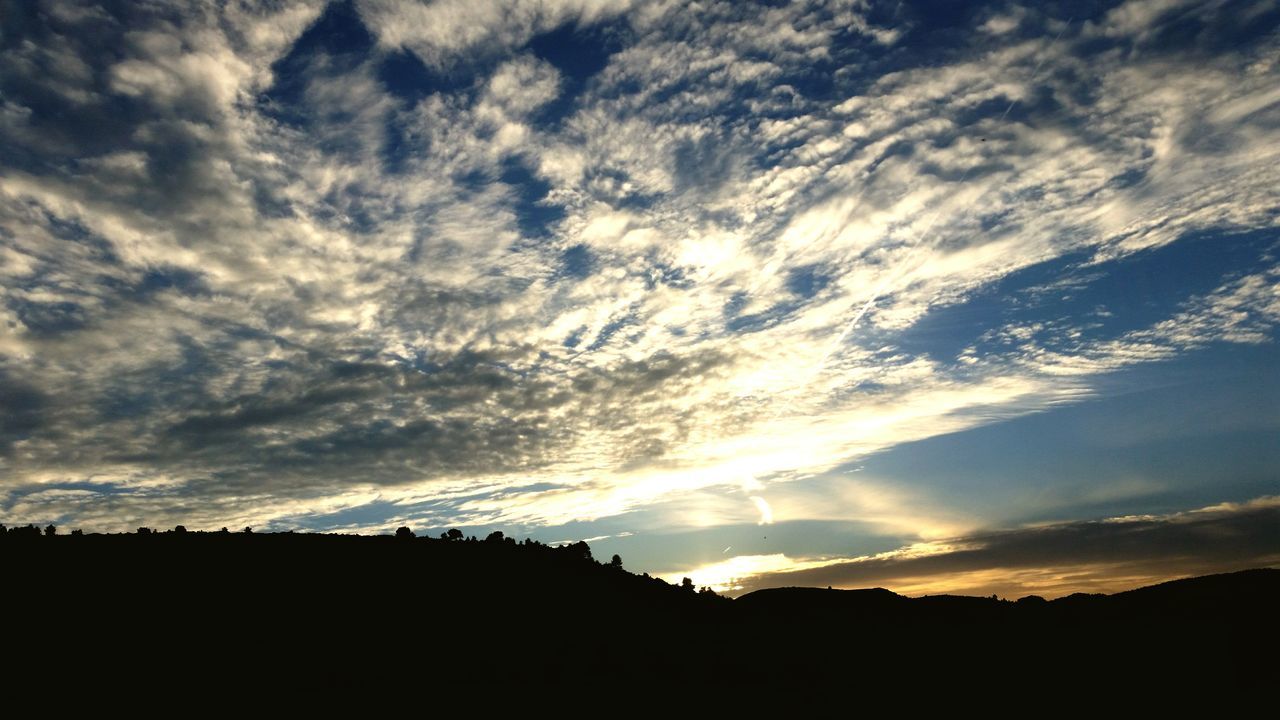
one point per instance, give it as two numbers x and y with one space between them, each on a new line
437 32
1054 559
766 512
270 265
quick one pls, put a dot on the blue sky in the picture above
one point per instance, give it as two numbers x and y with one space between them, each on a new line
813 292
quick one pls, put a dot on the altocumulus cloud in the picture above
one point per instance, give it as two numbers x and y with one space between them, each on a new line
525 263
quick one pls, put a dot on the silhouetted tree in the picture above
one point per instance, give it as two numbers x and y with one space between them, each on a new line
495 536
579 549
616 562
686 584
77 531
248 530
454 534
224 530
51 530
404 533
180 529
144 531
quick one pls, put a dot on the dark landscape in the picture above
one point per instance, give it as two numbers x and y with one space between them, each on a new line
873 320
342 611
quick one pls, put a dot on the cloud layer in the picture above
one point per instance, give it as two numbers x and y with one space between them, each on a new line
362 264
1110 555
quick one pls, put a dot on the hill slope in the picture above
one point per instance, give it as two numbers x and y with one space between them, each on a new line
324 611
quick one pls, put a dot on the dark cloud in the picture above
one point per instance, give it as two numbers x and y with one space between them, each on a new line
21 408
408 420
1185 544
703 165
257 410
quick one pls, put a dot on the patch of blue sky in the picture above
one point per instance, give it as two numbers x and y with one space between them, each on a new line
578 52
610 329
410 80
1160 437
337 43
371 514
577 261
535 215
802 283
88 488
808 280
1102 301
426 517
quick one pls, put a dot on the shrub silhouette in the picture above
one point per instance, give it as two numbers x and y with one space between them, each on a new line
579 550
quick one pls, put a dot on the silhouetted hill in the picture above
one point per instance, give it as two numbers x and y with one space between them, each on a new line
1250 592
1201 593
333 611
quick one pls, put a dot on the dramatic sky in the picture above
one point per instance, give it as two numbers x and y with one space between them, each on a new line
934 296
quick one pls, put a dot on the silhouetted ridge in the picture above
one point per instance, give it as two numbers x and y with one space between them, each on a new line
874 602
434 609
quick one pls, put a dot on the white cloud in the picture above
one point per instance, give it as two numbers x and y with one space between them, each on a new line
438 31
406 325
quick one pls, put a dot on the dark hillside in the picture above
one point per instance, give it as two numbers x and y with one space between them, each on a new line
337 611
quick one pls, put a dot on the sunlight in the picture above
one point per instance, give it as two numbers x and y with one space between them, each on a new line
727 576
766 512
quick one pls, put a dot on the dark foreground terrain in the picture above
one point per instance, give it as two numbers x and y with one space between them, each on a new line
331 614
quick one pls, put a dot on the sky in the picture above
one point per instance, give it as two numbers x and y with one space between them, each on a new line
934 296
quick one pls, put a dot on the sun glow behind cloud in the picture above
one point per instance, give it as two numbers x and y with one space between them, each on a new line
727 576
1035 559
734 574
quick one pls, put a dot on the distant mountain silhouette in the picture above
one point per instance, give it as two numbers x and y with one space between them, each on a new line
318 613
